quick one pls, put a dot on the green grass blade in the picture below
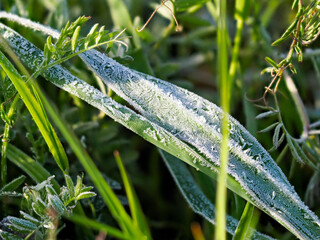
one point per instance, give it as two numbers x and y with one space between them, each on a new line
86 222
29 166
135 207
37 114
243 229
120 14
106 192
121 18
174 117
196 199
184 5
198 122
13 185
225 83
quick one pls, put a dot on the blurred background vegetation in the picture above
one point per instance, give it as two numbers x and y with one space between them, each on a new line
186 58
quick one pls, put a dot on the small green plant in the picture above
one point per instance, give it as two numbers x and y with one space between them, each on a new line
45 207
304 30
184 125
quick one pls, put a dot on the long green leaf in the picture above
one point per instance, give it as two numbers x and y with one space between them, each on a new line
86 222
196 199
14 184
198 122
135 207
29 166
188 127
37 113
183 5
243 229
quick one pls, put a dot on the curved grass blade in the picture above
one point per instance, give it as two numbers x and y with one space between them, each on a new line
86 222
197 122
243 229
176 116
135 207
196 199
29 166
37 112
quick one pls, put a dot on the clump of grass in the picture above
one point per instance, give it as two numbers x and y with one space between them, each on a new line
184 125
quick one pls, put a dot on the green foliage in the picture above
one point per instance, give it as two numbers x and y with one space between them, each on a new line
45 207
169 117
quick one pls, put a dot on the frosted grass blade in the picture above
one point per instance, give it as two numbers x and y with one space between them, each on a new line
197 122
175 117
196 198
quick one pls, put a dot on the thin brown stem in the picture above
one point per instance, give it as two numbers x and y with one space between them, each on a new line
178 28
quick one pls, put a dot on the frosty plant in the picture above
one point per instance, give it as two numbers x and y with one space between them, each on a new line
46 206
177 121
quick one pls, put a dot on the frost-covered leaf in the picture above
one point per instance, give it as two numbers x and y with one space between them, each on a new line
197 122
78 186
21 225
40 208
84 195
57 204
272 126
8 236
30 218
188 127
196 199
70 185
276 135
266 114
